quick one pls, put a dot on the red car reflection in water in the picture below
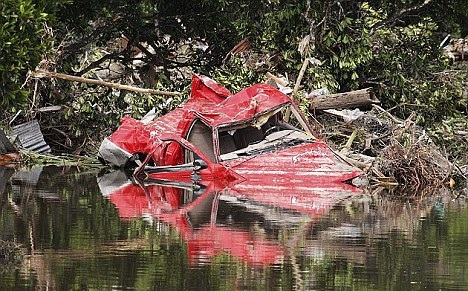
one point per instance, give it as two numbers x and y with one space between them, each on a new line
213 219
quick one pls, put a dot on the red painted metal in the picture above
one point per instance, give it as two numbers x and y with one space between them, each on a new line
303 179
163 141
199 222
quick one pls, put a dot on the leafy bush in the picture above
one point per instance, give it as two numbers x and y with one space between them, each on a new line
410 73
391 46
23 41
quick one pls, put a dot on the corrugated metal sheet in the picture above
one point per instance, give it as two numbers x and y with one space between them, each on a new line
29 136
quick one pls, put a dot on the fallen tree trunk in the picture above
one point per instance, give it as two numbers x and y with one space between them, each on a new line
358 98
53 75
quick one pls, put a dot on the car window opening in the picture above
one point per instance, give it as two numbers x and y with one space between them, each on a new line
261 134
201 136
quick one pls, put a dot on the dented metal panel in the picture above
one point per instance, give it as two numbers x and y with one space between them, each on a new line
242 138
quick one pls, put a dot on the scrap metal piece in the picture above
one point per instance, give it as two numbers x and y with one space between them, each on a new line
242 137
29 136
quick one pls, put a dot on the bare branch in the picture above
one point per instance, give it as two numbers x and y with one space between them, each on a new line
97 32
397 16
97 63
46 74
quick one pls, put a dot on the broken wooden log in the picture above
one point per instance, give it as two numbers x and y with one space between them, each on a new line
358 98
53 75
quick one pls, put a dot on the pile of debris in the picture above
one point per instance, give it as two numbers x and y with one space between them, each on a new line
393 152
390 150
404 152
456 49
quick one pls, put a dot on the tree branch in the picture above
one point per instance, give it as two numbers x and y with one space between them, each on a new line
97 63
397 16
97 32
46 74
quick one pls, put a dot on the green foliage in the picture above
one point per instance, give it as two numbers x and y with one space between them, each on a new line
407 71
23 40
391 46
236 74
344 45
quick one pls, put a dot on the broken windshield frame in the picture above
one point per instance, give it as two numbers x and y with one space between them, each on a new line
265 132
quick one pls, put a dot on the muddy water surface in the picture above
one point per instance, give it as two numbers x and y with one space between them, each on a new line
81 231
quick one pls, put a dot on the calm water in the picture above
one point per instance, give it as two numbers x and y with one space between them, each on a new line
84 232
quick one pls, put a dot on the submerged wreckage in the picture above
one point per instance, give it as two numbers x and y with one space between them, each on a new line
253 139
221 158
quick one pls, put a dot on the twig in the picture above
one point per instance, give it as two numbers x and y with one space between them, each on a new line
299 78
400 14
33 102
287 114
14 117
359 164
388 114
461 172
97 63
348 144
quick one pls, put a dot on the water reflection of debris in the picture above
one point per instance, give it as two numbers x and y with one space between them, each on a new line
347 232
355 225
244 221
26 183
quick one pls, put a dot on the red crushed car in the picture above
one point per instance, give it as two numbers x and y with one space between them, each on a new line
222 158
257 137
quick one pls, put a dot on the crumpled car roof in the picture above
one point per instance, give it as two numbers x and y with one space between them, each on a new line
241 106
